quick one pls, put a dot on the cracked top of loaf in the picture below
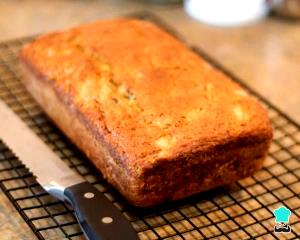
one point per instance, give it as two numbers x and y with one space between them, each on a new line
144 93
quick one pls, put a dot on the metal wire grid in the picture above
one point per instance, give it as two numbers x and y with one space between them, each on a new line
240 211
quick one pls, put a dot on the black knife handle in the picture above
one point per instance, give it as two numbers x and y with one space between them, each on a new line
97 216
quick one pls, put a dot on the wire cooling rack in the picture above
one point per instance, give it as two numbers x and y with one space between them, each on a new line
240 211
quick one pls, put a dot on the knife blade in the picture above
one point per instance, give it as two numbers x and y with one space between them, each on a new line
97 216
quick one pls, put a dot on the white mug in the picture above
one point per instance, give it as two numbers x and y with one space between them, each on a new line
226 12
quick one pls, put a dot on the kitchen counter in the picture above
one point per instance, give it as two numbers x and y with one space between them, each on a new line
265 54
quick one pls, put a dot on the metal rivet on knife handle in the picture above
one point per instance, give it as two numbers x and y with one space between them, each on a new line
89 195
107 220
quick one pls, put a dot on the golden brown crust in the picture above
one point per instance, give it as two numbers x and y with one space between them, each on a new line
169 124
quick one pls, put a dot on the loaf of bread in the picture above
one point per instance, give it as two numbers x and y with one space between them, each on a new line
157 120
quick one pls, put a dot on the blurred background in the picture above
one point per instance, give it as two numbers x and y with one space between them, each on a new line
257 40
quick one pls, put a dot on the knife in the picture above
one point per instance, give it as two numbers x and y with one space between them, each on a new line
97 216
